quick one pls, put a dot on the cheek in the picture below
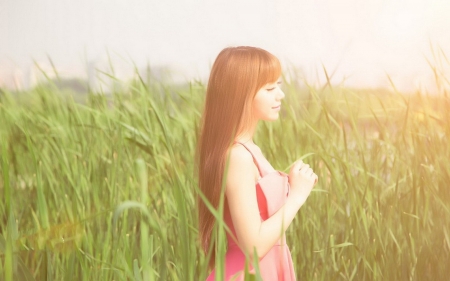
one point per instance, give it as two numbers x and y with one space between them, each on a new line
258 107
261 110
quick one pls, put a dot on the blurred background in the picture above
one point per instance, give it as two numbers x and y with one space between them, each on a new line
97 170
359 43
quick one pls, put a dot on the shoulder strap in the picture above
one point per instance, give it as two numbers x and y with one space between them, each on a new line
254 158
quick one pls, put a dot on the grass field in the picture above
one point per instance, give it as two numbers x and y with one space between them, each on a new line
106 190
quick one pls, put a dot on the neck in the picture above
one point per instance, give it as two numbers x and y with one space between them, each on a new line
247 135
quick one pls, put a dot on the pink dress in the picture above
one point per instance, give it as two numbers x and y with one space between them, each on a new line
271 192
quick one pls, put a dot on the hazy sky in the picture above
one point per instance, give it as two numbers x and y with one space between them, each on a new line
362 41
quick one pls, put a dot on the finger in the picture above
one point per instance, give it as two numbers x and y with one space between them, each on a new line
304 167
306 170
297 165
309 173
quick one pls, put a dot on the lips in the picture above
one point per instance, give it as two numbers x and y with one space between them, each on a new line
277 107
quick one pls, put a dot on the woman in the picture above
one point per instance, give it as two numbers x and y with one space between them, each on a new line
260 202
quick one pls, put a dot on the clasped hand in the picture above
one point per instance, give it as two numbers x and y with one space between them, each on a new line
302 180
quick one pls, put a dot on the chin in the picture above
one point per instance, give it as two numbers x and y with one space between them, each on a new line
272 118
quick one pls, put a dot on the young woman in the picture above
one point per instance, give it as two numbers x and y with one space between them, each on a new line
260 202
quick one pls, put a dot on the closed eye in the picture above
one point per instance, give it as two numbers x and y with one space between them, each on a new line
271 89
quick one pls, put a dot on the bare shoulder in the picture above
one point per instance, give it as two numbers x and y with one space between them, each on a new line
241 167
239 155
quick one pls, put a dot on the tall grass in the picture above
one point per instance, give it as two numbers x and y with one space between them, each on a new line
106 190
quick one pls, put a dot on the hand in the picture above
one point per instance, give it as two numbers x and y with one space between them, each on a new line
302 180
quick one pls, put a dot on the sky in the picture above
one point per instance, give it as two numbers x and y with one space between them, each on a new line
360 42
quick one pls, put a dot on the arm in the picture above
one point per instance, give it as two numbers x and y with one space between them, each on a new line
241 194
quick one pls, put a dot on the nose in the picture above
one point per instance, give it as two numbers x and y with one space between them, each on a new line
280 94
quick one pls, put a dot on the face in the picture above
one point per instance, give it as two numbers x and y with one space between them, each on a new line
267 102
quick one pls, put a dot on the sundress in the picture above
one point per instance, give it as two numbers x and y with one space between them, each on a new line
272 190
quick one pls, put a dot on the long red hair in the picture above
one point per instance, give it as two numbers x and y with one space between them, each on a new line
236 76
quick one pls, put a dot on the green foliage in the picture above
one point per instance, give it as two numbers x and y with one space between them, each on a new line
106 190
